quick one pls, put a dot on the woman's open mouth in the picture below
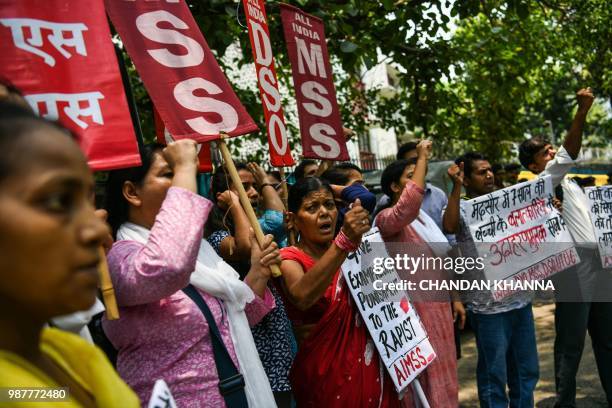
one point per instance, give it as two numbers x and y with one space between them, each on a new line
325 227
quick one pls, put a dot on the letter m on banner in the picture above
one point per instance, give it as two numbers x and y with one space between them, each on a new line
320 123
187 86
280 153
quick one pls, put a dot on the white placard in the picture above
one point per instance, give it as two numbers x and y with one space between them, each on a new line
520 234
390 317
600 209
161 396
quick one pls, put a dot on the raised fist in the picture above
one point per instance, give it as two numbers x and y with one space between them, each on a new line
424 148
455 172
585 99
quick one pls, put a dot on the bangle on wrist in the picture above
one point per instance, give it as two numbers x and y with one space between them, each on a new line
343 242
266 184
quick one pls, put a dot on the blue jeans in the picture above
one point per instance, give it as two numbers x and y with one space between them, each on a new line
507 355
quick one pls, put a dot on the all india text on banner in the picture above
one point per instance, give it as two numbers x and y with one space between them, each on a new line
320 123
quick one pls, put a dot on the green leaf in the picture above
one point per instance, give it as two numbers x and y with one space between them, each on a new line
348 47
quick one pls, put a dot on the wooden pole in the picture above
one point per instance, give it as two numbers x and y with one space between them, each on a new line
285 192
244 200
106 286
285 198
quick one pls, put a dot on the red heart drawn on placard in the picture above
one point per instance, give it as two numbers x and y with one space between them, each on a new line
430 357
405 305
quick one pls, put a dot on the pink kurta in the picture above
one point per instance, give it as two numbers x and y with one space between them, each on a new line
162 334
439 381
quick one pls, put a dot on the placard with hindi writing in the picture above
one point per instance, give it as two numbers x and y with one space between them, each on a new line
600 209
520 234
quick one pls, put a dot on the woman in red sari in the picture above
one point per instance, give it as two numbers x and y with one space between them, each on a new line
337 364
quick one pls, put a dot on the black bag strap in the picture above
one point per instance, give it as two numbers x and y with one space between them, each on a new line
231 382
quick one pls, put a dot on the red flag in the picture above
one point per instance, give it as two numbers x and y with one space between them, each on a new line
280 152
320 123
60 55
164 137
189 90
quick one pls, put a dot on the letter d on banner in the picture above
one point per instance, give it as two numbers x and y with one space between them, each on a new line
280 152
320 123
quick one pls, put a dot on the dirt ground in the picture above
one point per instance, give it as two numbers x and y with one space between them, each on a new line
589 393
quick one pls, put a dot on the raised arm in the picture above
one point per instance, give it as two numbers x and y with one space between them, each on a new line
391 220
235 247
144 273
573 139
420 170
271 199
305 289
450 219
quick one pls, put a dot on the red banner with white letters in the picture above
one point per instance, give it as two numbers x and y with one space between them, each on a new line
164 137
190 92
320 123
280 151
60 55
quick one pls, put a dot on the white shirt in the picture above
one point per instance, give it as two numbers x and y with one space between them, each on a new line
575 202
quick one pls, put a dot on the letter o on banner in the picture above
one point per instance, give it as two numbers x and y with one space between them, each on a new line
276 124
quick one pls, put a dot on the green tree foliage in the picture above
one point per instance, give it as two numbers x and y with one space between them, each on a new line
510 68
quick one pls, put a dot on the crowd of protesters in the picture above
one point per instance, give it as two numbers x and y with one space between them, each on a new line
199 307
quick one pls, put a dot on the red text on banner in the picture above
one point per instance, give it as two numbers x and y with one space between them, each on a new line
280 153
60 55
320 123
190 92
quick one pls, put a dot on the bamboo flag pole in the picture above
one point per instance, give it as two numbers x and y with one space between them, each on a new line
285 193
285 198
244 200
106 285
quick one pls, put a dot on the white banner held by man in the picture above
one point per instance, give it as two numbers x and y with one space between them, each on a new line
391 319
520 235
600 209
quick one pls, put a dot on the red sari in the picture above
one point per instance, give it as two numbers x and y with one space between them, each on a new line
337 365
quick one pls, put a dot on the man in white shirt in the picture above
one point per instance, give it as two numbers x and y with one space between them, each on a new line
578 306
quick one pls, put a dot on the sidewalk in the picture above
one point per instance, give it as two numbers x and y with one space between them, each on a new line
589 393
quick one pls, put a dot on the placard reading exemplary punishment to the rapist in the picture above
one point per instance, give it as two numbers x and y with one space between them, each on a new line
520 234
390 317
600 208
59 54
